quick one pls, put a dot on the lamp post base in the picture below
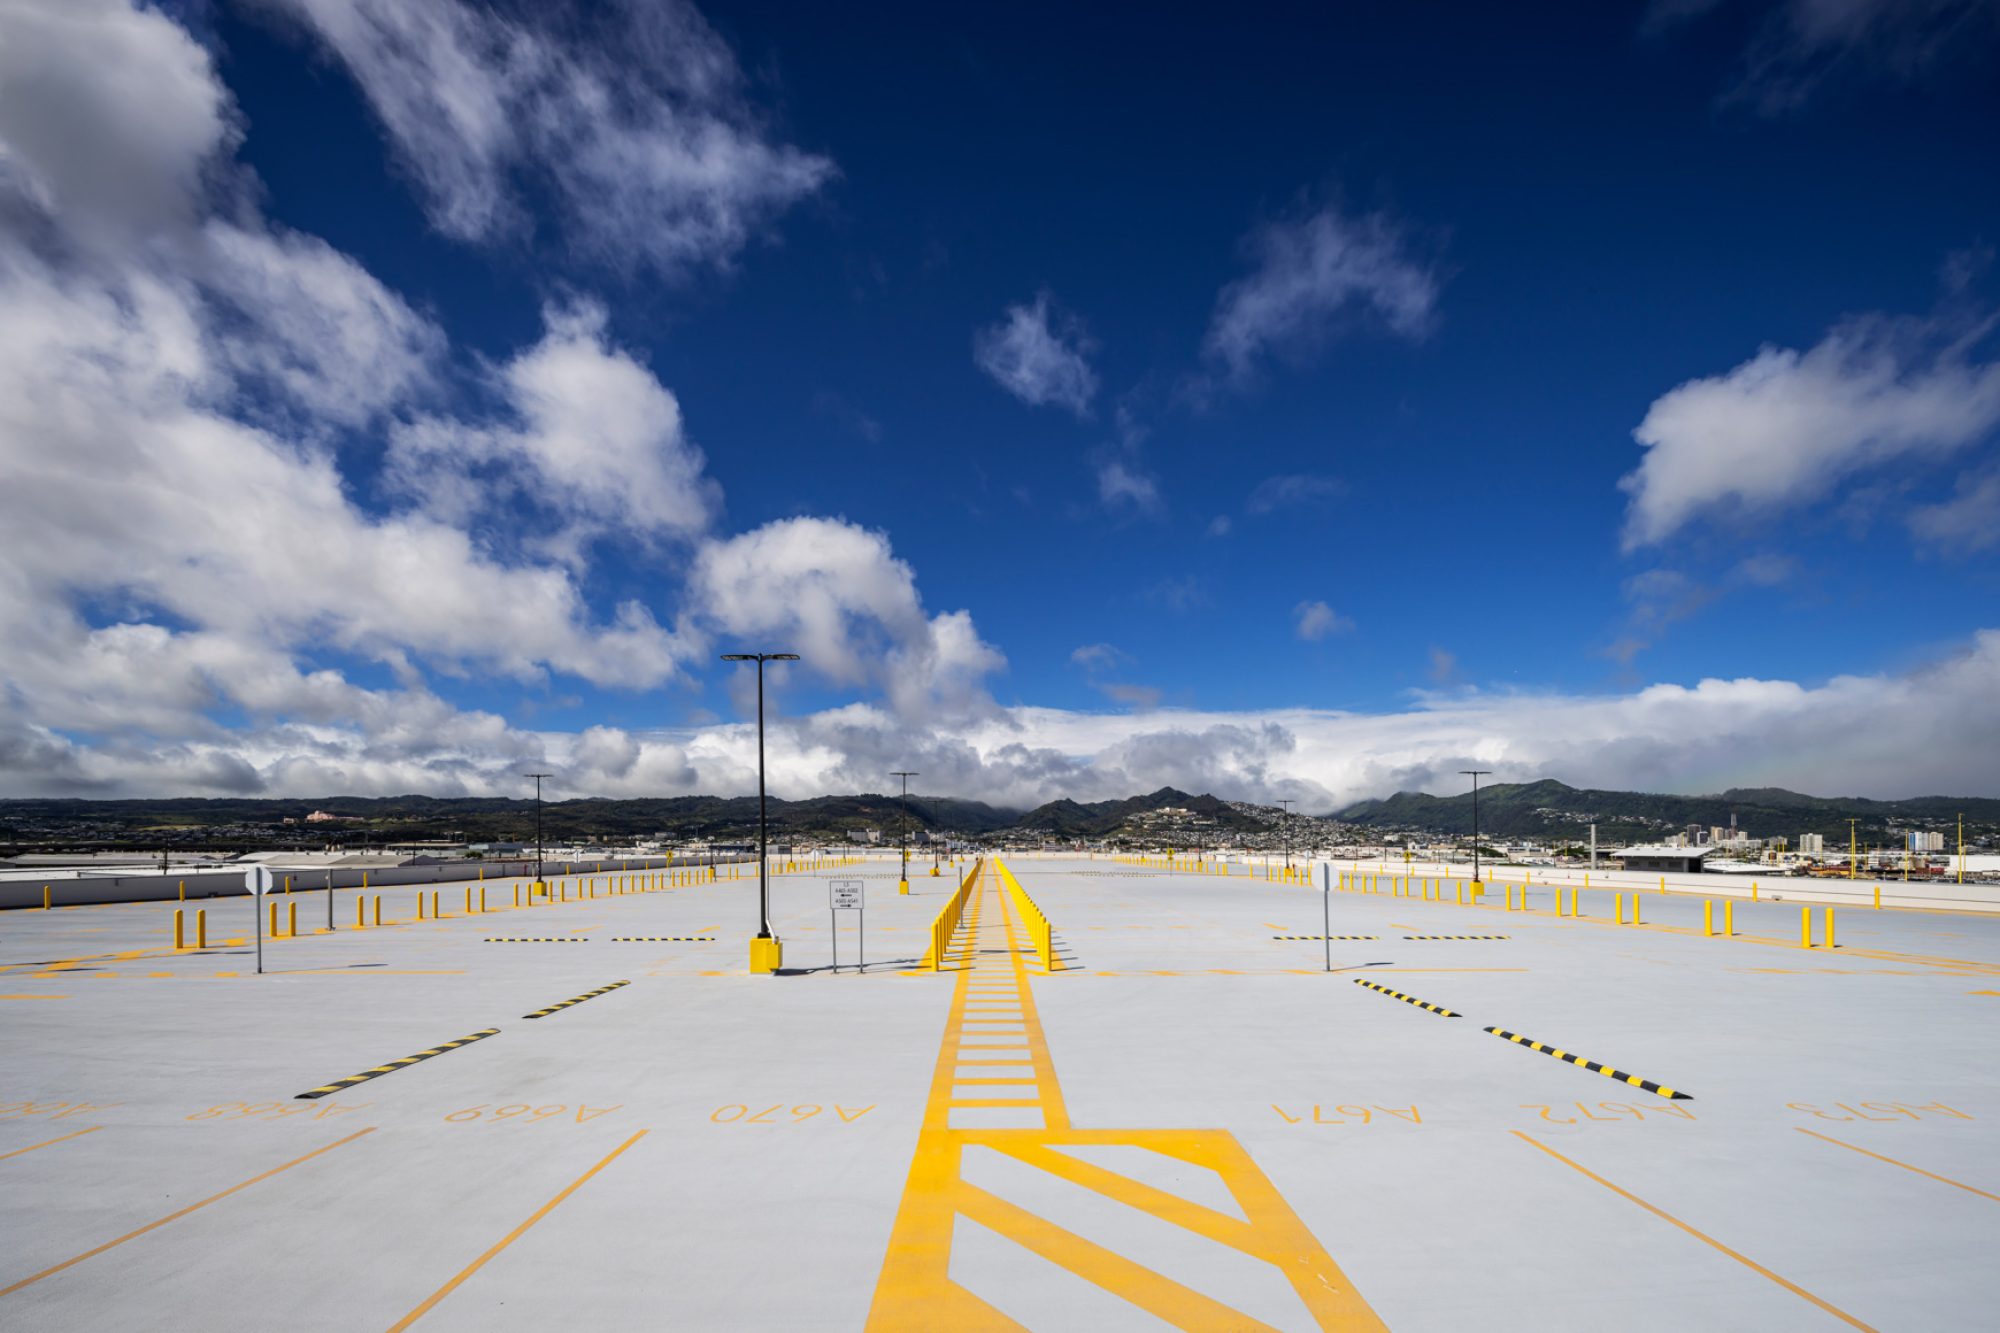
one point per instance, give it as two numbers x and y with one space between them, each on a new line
902 886
767 953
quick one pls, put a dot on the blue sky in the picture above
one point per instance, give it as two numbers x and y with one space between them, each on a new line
1276 407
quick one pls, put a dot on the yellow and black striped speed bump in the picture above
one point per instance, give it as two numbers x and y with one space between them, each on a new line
394 1065
576 999
1456 937
1439 1010
1326 937
536 939
1592 1065
663 939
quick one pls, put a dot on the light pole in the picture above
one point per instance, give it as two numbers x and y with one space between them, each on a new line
538 834
903 837
1285 823
1475 774
766 953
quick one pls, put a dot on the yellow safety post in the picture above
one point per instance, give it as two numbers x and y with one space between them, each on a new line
1618 907
47 901
1753 890
1878 897
517 895
184 893
201 927
565 890
1729 917
468 900
1586 879
180 941
420 907
1805 927
274 921
1829 928
361 914
364 880
1635 910
435 914
292 920
1663 884
378 909
482 899
1708 917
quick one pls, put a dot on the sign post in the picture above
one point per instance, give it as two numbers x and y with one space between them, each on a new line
1326 909
845 895
257 879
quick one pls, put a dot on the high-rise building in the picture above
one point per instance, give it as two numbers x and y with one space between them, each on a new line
1812 844
1926 842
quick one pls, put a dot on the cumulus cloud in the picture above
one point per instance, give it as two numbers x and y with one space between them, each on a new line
835 593
1786 427
110 115
1041 355
1312 276
1969 521
1313 621
1804 44
1293 489
632 116
590 439
1099 656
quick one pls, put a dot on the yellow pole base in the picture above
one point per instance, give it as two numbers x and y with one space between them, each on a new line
767 953
902 886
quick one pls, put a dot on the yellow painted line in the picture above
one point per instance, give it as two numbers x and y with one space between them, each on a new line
1701 1236
50 1142
370 972
508 1239
34 997
176 1216
1947 1180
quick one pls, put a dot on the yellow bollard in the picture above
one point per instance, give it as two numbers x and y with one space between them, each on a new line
1753 890
180 940
47 901
1663 884
1829 928
1635 910
274 921
1805 927
482 899
517 895
378 909
1729 918
420 907
1708 917
361 914
1878 897
1618 907
184 893
565 891
201 927
292 920
435 914
468 900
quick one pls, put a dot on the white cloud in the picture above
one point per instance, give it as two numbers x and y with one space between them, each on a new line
1786 427
1312 275
1298 488
593 441
835 593
1313 621
1969 521
1099 656
109 115
1125 483
1803 44
633 116
1932 729
1040 354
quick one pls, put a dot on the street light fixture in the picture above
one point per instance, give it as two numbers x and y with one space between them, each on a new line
1475 774
538 885
766 953
903 838
1285 823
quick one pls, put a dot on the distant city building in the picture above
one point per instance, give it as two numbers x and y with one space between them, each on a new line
1812 844
1926 842
1663 858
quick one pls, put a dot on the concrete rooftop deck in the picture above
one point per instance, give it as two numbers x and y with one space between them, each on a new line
1193 1124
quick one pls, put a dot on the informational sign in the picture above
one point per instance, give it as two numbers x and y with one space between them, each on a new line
258 879
844 895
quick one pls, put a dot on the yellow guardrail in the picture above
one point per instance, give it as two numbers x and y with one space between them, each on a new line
945 924
1039 930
